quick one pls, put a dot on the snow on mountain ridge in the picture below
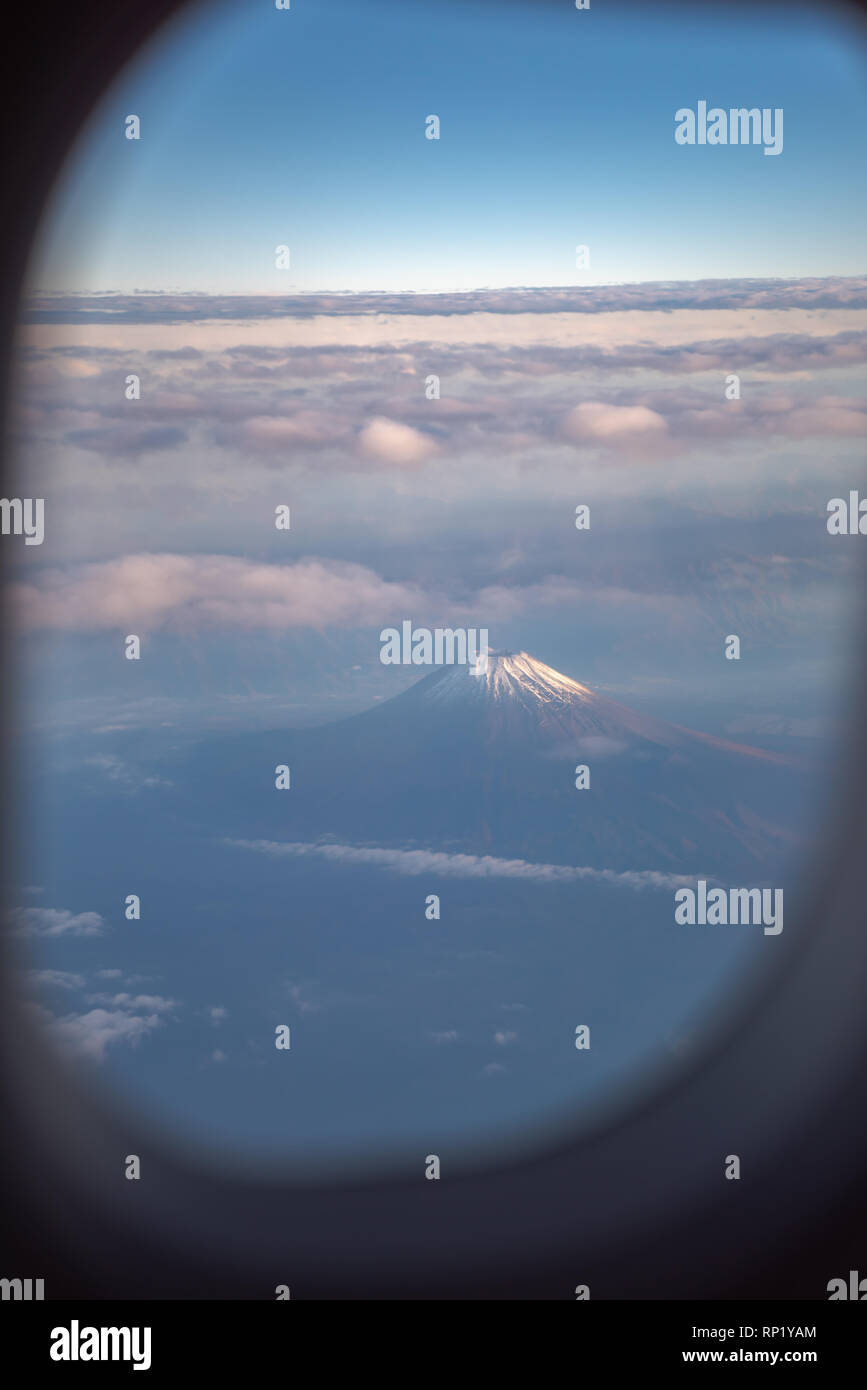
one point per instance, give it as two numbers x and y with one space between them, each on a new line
505 674
520 697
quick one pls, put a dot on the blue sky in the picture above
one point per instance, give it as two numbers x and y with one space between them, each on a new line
263 127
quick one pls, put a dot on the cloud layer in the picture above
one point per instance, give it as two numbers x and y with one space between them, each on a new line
816 293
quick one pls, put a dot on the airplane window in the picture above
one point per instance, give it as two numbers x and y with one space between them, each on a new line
434 565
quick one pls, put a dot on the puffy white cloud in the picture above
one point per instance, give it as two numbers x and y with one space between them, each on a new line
90 1034
595 422
391 442
118 1018
55 921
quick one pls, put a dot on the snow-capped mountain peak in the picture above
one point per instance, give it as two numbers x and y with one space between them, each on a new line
513 694
503 675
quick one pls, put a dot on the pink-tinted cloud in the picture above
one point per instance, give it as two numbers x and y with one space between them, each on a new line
306 427
389 441
594 422
142 592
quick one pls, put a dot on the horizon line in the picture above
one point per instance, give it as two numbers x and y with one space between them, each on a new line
296 290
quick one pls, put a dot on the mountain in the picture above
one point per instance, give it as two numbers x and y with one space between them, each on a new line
519 699
484 763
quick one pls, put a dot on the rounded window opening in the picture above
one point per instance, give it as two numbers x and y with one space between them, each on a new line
435 563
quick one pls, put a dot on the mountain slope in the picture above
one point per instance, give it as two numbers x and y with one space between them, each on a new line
517 696
485 764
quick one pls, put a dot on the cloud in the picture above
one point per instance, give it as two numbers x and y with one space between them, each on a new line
594 422
55 921
90 1034
119 1018
114 768
774 352
54 979
350 382
127 440
828 292
78 367
155 1003
118 771
435 862
175 403
830 415
306 427
593 746
503 1038
218 1056
142 592
391 442
217 1013
600 746
450 1035
694 416
302 997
